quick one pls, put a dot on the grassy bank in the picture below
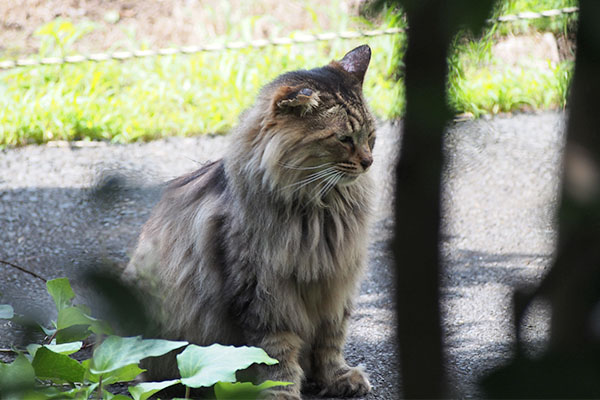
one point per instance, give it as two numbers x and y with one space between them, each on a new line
204 93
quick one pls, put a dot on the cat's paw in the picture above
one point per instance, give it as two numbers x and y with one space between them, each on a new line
280 395
351 383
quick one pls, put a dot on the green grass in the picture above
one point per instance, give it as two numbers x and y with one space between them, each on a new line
203 93
481 84
155 97
488 91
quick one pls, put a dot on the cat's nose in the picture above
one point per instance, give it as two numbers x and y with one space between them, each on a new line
366 162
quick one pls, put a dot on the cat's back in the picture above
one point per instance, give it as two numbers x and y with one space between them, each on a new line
184 224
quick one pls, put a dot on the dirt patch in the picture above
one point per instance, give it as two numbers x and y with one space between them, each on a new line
130 24
534 50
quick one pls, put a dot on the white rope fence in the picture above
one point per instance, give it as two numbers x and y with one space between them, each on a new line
535 15
301 38
125 55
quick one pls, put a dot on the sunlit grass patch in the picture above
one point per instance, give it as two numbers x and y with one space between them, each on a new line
155 97
488 90
144 99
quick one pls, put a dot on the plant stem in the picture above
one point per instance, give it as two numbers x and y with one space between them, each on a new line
100 388
187 392
24 270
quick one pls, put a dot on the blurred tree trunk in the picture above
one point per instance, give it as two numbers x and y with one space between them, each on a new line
432 26
570 366
578 253
418 207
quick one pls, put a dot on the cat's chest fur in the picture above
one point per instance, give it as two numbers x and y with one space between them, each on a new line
304 245
303 261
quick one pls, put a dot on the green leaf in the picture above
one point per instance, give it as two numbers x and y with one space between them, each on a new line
56 366
6 311
106 395
146 389
66 348
73 333
45 393
53 392
16 376
205 366
243 390
47 331
75 316
61 291
123 374
116 352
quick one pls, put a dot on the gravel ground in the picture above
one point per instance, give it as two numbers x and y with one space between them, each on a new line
499 198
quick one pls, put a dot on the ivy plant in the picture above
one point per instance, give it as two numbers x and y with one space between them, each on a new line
49 370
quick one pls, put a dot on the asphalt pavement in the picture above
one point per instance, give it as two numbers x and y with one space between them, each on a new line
500 194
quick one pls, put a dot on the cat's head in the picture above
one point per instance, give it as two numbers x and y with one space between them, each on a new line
316 131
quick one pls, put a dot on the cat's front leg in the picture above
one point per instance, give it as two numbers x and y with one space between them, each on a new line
330 369
285 347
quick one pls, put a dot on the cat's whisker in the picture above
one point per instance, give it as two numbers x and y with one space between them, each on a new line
322 178
290 166
311 178
330 182
337 179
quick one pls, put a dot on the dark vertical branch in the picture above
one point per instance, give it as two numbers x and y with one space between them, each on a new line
578 252
432 25
570 367
418 207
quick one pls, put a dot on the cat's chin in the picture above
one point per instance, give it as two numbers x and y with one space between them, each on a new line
348 179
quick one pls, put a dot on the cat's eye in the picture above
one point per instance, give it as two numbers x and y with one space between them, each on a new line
347 139
371 141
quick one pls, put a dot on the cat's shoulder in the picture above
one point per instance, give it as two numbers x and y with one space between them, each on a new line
213 170
209 178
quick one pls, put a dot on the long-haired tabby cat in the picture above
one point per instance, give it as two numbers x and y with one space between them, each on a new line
265 246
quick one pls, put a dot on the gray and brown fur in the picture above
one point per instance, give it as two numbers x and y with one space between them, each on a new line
265 247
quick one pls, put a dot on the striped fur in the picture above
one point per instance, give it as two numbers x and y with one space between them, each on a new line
265 247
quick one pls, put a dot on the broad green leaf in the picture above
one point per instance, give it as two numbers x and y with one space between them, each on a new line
47 331
75 316
57 367
17 375
32 348
84 308
146 389
61 291
6 311
243 390
205 366
73 333
123 374
53 392
106 395
45 393
116 352
66 348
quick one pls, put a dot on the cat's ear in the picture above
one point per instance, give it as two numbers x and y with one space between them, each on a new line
356 62
296 99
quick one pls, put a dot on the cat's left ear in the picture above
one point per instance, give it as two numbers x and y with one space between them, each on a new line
356 62
296 99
